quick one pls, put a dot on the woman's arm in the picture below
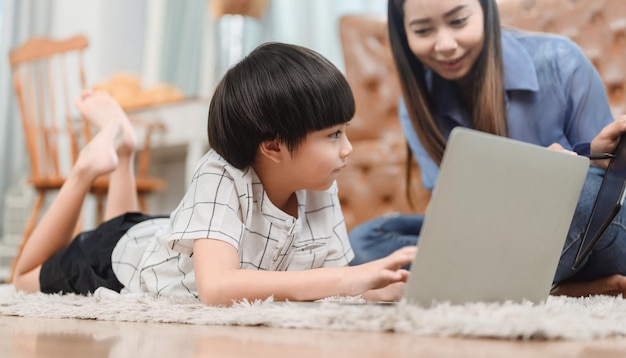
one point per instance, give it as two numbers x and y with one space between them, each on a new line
220 280
587 102
429 170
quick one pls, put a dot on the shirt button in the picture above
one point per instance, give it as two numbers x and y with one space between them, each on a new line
289 222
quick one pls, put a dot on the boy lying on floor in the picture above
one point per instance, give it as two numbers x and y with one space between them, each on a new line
260 217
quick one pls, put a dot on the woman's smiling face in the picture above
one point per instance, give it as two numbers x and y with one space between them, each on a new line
447 36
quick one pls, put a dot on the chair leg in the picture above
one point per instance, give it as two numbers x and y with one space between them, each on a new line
28 229
142 203
99 208
79 226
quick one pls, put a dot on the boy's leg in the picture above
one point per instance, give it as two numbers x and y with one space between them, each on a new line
102 110
56 228
122 194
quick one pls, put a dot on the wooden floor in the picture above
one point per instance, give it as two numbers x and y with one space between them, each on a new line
25 337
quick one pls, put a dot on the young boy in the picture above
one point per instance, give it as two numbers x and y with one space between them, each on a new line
260 218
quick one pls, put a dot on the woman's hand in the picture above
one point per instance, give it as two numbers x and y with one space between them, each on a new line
606 141
559 148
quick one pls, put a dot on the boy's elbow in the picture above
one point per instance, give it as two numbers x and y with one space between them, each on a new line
25 282
214 296
18 284
215 300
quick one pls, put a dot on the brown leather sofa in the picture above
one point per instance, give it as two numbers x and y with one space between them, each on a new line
373 184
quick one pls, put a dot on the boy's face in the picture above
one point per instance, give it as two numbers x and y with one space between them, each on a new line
320 157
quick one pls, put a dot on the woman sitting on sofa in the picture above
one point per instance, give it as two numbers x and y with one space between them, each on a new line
458 67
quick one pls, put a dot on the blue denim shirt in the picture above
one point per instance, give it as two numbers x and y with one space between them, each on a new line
553 95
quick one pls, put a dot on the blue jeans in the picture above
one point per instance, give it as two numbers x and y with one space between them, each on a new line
380 237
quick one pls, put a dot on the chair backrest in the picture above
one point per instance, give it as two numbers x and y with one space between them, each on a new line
597 26
47 76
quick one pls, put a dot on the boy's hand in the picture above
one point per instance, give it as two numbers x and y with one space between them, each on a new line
391 292
381 274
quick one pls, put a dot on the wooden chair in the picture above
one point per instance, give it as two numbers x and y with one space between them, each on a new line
47 76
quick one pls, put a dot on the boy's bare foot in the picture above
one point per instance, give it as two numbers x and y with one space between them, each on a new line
614 285
102 110
99 156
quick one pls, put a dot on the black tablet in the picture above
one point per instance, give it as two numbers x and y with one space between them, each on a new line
608 202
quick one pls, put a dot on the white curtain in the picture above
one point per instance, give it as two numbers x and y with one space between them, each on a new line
104 23
19 20
310 23
162 40
182 44
191 42
315 23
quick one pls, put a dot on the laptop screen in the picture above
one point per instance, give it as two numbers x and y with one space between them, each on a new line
608 203
496 223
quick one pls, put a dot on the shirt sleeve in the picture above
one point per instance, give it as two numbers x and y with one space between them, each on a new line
428 168
209 209
586 99
582 148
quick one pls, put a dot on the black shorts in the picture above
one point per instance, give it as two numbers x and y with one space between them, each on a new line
85 264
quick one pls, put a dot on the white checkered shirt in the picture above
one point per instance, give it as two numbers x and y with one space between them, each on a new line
229 204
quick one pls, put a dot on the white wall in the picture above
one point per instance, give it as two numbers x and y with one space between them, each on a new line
116 30
126 36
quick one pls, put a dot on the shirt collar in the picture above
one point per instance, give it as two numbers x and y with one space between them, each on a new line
519 74
448 102
519 68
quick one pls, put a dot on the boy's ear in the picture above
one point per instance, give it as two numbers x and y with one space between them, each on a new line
273 150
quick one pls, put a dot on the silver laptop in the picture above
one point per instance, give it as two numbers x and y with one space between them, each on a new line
496 223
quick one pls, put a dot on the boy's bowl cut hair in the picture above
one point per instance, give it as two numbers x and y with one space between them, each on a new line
278 92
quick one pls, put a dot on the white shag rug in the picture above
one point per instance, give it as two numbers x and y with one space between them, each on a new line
563 318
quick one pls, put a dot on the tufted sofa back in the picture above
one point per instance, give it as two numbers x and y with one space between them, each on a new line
597 26
373 184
